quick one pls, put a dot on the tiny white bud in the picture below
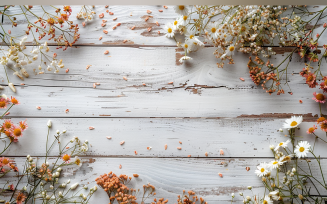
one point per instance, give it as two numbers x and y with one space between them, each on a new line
49 124
249 187
233 195
241 194
58 132
64 131
85 187
74 186
280 130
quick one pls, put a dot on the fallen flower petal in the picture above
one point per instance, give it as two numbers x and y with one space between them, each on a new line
125 78
221 152
149 148
166 147
135 152
106 52
135 175
148 11
67 110
122 142
108 137
220 174
94 85
88 66
179 148
38 107
67 70
120 166
242 79
91 128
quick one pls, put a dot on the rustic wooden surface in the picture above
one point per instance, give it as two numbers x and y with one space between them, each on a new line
206 108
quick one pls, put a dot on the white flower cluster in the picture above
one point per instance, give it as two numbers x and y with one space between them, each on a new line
85 14
242 28
15 57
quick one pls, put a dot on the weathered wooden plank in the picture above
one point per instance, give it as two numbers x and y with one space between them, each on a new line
128 16
237 137
155 67
172 176
177 102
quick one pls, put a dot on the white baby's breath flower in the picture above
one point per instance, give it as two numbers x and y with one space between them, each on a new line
282 144
49 123
74 186
262 169
302 149
182 59
170 30
12 87
181 9
293 122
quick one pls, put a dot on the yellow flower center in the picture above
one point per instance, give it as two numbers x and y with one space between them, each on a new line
17 132
213 30
170 30
7 125
262 170
191 36
66 157
321 119
184 18
311 130
243 29
181 7
5 161
301 149
275 162
2 104
175 22
293 123
323 126
265 202
280 144
320 97
310 78
231 48
77 161
185 45
14 101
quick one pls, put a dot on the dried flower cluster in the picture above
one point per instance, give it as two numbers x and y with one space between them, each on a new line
44 183
8 129
54 24
117 190
251 30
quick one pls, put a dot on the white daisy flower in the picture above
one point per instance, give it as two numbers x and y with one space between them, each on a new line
267 200
183 20
169 30
181 9
186 46
190 35
230 50
262 169
274 195
182 59
175 24
211 29
302 149
78 161
293 122
275 164
282 144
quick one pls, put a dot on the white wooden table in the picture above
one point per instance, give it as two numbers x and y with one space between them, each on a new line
206 108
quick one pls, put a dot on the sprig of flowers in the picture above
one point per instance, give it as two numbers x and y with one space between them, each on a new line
253 29
56 25
8 129
44 181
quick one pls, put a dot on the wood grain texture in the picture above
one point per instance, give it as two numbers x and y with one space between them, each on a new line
237 137
171 176
199 88
206 108
128 16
